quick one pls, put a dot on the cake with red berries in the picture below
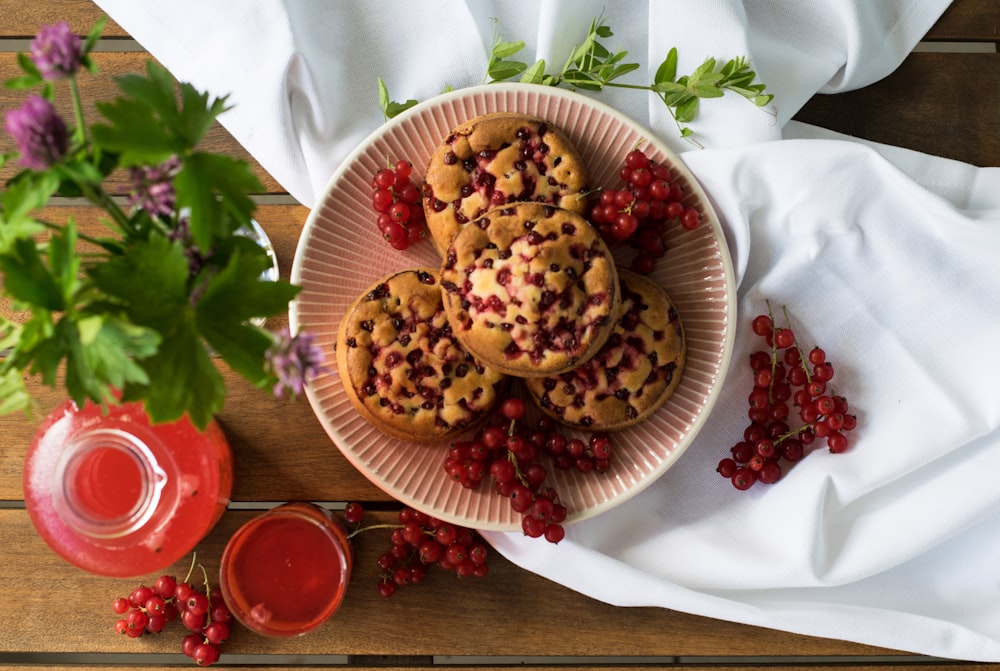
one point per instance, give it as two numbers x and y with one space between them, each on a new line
530 289
634 373
402 367
494 160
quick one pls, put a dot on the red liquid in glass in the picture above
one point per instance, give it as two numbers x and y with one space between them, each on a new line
116 496
285 572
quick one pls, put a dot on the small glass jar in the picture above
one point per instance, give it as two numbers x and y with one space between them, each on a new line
116 496
285 572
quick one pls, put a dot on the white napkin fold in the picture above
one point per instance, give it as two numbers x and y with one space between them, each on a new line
885 258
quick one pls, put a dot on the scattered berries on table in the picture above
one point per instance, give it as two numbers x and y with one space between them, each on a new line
791 406
419 542
202 611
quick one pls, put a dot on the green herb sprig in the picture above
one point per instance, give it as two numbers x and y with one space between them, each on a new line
593 66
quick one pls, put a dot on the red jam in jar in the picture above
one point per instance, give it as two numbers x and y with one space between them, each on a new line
285 572
119 497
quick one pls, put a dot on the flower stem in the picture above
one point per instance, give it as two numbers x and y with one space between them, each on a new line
101 198
80 132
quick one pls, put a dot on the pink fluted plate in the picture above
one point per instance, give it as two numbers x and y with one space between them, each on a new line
341 253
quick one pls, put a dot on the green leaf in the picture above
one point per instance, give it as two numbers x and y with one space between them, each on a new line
707 79
215 187
383 95
706 91
94 35
395 108
389 107
64 262
149 124
197 114
18 202
503 70
26 278
14 394
582 80
534 74
149 280
110 347
687 110
22 83
503 50
182 379
763 100
232 297
622 70
133 133
703 69
31 78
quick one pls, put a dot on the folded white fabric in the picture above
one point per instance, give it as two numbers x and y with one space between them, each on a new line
884 257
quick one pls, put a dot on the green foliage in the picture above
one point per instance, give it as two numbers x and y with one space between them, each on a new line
592 66
145 311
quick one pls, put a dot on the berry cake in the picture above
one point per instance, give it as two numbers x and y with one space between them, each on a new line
401 366
530 289
497 159
635 372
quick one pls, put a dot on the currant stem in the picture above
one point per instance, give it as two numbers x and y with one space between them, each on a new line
371 527
194 557
802 355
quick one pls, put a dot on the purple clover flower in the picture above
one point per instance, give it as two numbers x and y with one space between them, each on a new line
293 360
153 187
40 133
56 51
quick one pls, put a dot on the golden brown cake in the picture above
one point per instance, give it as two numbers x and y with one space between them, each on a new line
635 372
530 289
401 366
497 159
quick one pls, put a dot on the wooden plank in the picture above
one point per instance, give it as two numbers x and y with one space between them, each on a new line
924 105
968 21
19 19
443 616
624 664
96 87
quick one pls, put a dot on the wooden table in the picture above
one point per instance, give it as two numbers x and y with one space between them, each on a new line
942 102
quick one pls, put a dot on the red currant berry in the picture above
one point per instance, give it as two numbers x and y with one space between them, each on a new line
554 533
636 159
205 654
513 408
384 179
783 338
353 512
386 587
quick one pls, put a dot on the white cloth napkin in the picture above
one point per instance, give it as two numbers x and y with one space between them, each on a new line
885 258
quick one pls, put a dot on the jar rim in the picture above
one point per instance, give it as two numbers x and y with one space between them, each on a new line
81 485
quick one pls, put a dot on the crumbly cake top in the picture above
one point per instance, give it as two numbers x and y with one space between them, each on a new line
404 364
497 159
530 288
634 372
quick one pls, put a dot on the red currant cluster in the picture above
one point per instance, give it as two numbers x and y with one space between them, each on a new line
507 453
420 541
397 200
638 212
204 613
782 375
